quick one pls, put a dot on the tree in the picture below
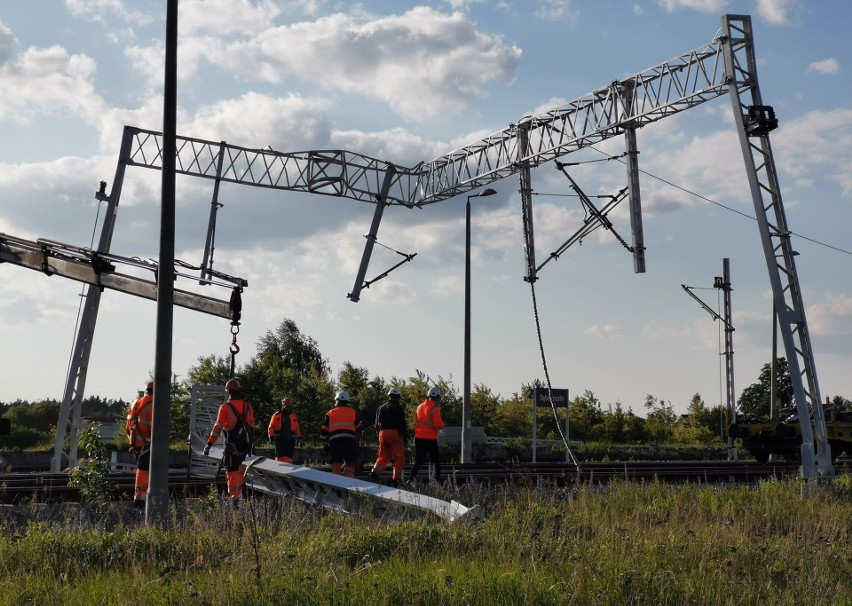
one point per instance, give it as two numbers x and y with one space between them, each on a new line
660 421
586 417
288 364
699 426
754 399
513 419
615 425
483 409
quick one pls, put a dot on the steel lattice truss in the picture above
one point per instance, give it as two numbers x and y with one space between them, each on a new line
665 89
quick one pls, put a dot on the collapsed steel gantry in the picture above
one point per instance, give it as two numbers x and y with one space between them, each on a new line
726 65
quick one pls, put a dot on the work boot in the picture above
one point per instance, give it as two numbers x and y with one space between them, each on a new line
374 477
394 483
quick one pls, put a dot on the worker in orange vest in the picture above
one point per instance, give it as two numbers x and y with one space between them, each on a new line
283 431
338 435
427 422
393 433
138 429
236 418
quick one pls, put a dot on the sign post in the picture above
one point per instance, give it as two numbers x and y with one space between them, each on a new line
542 398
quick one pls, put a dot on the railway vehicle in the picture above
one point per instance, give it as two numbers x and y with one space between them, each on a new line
762 436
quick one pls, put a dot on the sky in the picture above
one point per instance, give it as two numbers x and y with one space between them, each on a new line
408 82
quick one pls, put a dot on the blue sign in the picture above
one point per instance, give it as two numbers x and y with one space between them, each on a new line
559 397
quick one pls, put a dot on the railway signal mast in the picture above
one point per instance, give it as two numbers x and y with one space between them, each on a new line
723 283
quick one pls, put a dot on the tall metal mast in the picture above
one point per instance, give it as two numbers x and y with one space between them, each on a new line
754 122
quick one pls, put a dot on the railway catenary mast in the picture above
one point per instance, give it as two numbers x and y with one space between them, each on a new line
726 65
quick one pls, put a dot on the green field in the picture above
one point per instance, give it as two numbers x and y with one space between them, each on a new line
624 543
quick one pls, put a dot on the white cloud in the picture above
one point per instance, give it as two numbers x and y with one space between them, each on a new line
7 43
226 17
654 330
826 66
421 62
554 10
705 6
831 317
816 142
99 10
777 12
608 332
290 123
48 81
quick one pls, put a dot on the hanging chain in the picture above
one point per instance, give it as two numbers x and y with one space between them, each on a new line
236 312
235 349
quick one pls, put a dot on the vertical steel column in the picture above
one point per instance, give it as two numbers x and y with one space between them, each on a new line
526 202
466 449
157 503
75 384
753 122
627 95
209 245
731 399
381 202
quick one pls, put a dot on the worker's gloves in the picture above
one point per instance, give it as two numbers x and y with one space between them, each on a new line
207 450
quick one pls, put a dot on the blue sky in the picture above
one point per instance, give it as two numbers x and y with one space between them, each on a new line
408 82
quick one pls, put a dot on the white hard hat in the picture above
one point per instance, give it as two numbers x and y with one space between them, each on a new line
434 392
342 396
394 392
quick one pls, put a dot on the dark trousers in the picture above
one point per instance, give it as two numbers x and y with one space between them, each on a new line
426 448
285 448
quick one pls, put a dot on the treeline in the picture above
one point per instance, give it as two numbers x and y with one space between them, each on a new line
33 424
289 363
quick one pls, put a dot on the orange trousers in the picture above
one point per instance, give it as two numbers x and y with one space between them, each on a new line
391 447
235 481
140 485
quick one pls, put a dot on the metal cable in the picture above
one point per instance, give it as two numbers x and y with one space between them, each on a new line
541 349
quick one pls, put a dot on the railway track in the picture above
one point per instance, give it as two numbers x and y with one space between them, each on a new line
53 487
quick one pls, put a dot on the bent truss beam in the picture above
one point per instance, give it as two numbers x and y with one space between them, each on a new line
665 89
331 491
90 267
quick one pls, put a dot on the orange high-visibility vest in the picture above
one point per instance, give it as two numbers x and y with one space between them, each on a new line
340 422
427 420
138 424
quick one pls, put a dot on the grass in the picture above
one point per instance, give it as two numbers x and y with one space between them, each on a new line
626 543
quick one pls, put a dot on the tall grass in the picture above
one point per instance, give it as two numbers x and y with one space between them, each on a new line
626 543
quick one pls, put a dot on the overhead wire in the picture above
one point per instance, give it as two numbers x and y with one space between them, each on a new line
719 204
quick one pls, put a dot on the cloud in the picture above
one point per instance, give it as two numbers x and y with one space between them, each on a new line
555 10
820 142
290 123
47 82
227 17
826 66
777 12
832 317
704 6
99 10
421 63
608 332
7 43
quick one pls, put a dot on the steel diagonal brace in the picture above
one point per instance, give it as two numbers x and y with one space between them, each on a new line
381 202
596 218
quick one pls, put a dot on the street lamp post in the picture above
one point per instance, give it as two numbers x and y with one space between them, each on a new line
466 450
